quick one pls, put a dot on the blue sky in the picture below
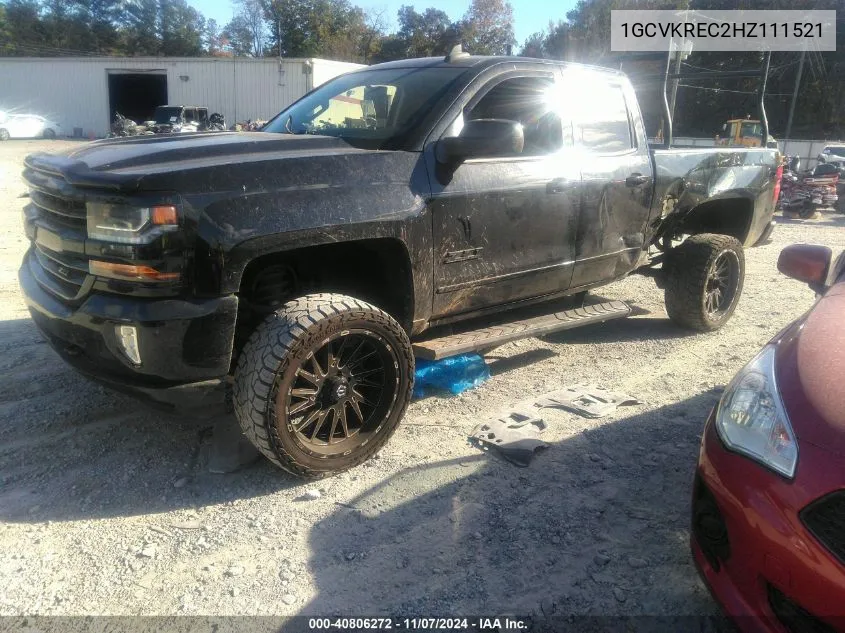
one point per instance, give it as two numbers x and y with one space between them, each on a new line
530 15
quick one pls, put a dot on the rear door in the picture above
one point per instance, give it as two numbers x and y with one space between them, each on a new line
504 227
616 176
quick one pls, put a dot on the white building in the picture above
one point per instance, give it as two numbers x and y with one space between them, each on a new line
83 93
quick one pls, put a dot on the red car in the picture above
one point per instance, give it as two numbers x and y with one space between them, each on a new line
768 506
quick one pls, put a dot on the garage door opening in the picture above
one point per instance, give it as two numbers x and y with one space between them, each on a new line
136 95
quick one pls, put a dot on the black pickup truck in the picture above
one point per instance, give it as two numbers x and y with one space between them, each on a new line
414 209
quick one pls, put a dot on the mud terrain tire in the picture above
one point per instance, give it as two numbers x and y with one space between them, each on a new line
330 357
704 279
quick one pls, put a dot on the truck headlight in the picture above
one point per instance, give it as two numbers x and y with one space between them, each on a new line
127 224
751 419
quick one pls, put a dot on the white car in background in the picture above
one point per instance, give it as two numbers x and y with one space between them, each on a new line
27 126
835 155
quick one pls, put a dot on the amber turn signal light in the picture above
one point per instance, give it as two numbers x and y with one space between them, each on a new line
164 215
129 272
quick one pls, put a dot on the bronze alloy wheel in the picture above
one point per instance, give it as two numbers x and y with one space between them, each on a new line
322 383
720 292
340 394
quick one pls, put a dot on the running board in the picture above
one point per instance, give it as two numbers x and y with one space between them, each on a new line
454 344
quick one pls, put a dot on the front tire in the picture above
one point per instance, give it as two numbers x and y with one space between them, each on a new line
704 280
4 134
322 384
49 134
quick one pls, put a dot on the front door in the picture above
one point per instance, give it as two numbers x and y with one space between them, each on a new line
504 228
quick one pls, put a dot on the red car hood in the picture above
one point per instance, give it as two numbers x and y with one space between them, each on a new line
811 372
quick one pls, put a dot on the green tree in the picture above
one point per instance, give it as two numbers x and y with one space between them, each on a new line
535 45
141 28
181 29
488 27
311 28
5 45
423 33
426 34
247 31
238 38
372 35
27 34
98 19
213 38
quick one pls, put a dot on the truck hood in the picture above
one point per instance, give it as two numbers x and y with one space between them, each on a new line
810 370
126 163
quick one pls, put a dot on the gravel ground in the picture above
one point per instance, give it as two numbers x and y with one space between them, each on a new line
108 508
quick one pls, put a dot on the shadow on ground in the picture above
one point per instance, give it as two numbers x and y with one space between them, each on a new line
597 524
72 449
827 219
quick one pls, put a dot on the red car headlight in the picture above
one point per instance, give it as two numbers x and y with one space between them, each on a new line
751 419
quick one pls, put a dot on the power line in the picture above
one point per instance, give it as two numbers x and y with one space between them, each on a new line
739 92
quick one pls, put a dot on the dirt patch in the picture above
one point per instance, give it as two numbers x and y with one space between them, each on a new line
107 508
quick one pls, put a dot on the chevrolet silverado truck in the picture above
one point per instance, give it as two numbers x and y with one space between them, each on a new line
414 209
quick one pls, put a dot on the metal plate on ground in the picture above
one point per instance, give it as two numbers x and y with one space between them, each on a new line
514 436
586 400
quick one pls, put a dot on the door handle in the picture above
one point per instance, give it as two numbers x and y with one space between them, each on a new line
559 185
635 180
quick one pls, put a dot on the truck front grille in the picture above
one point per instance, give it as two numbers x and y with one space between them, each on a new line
56 222
65 276
68 213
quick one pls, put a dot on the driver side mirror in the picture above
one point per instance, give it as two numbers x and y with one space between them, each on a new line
482 138
810 263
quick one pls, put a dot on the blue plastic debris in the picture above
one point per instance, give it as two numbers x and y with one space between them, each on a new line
455 374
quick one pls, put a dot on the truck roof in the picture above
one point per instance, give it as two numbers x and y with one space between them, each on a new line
481 62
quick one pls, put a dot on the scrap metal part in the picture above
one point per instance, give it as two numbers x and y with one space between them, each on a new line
587 400
514 436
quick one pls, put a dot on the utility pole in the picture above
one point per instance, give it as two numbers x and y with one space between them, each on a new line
795 95
675 82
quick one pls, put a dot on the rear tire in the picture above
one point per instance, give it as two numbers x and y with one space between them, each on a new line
4 134
704 280
322 384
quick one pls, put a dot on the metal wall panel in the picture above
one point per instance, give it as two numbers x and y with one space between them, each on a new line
74 91
325 69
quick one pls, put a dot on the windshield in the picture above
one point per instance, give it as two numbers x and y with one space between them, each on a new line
752 129
374 109
836 151
168 114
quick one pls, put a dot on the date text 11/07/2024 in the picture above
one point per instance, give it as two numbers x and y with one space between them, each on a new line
418 624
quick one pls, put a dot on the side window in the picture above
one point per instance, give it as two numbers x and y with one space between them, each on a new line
530 101
190 115
602 124
734 130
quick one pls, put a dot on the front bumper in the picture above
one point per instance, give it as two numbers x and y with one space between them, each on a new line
185 345
758 559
